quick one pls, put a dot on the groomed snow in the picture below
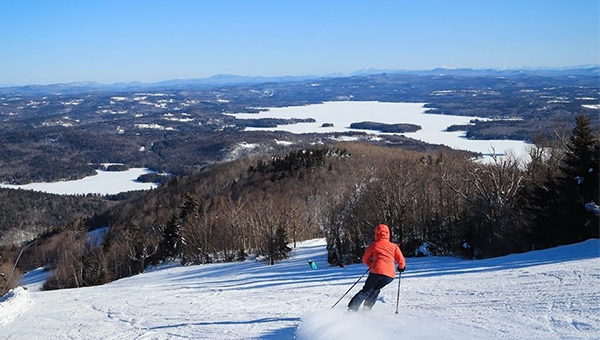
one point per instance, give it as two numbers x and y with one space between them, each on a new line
105 182
13 304
549 294
342 114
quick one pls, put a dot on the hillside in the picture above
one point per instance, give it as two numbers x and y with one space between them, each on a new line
182 127
548 294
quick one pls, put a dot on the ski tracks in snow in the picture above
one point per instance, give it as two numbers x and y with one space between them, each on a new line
548 294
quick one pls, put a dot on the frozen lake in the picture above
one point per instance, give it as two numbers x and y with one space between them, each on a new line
105 182
342 114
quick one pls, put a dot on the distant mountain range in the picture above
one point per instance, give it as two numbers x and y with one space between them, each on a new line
230 79
583 70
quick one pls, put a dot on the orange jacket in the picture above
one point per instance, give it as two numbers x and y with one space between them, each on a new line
380 255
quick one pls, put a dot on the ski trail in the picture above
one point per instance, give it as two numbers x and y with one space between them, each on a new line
547 294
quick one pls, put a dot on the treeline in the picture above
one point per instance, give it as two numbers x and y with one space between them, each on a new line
388 128
477 210
225 214
269 122
527 130
25 214
256 207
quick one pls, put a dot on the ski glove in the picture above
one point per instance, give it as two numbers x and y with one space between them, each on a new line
401 270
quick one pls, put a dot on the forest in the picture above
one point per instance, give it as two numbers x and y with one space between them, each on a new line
54 135
255 207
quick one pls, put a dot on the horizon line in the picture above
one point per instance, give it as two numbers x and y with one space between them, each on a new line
327 75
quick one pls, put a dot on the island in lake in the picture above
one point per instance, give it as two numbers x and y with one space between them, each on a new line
389 128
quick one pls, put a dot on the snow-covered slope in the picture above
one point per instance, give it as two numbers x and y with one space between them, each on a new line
547 294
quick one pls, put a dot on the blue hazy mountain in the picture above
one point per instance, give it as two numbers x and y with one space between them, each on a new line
230 79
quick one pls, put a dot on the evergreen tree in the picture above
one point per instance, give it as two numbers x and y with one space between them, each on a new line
170 246
189 215
190 211
280 244
559 207
581 161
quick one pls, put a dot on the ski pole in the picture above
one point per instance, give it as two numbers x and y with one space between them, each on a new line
398 296
351 288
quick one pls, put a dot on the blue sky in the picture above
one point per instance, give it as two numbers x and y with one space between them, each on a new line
108 41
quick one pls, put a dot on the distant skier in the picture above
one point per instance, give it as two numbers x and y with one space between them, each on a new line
379 257
312 264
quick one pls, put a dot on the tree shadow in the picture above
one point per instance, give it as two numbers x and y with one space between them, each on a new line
441 266
280 334
244 322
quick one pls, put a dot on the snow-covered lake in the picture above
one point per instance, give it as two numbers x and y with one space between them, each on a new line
342 114
104 182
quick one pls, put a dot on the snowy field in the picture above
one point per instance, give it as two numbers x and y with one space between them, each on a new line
342 114
105 182
549 294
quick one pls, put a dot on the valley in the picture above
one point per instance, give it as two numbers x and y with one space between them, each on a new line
50 133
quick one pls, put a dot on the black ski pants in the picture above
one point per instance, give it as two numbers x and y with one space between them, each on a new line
370 291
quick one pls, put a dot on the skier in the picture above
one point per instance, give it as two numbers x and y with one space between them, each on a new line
379 257
312 264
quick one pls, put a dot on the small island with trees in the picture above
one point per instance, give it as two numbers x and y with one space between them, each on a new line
382 127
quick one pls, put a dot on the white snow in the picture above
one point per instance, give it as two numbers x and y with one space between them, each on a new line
34 280
342 114
347 138
250 146
175 119
106 165
240 149
442 92
74 102
96 236
548 294
593 207
57 123
154 126
160 105
104 182
152 94
283 142
112 112
339 324
593 107
13 304
423 250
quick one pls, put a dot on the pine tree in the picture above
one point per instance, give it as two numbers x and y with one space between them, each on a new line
189 215
559 207
280 244
581 161
170 246
190 211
